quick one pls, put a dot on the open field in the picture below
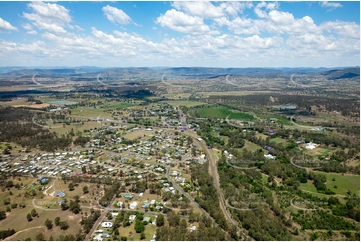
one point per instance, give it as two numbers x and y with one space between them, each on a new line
184 103
223 112
89 112
118 106
278 140
15 102
17 218
251 146
75 126
178 96
343 182
320 151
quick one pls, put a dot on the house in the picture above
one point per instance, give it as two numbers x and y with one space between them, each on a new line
132 218
152 202
269 148
146 219
60 194
310 146
146 205
193 228
98 237
107 224
133 205
269 156
120 204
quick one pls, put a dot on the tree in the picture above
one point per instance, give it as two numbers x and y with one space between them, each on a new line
74 207
28 216
71 186
49 224
64 206
2 215
34 213
64 225
194 151
40 237
85 189
139 226
142 235
160 220
57 221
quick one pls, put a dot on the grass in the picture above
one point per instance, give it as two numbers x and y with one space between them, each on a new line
89 112
264 179
149 232
251 146
278 140
75 126
320 151
118 106
223 112
16 219
343 182
308 186
188 104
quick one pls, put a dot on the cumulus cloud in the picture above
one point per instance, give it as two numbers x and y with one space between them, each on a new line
181 22
48 16
5 25
205 9
116 15
332 5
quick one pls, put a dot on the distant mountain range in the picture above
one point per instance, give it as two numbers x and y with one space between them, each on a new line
195 72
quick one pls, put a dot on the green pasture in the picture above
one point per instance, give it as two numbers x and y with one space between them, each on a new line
343 182
223 112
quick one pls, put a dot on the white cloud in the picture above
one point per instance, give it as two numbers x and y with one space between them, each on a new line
268 6
181 22
333 5
116 15
5 25
48 16
204 9
343 29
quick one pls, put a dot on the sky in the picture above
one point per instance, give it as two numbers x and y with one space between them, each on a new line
180 33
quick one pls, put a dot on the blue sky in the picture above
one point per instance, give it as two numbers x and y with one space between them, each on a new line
180 33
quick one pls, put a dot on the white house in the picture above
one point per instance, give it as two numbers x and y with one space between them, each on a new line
132 218
269 156
310 146
133 205
107 224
